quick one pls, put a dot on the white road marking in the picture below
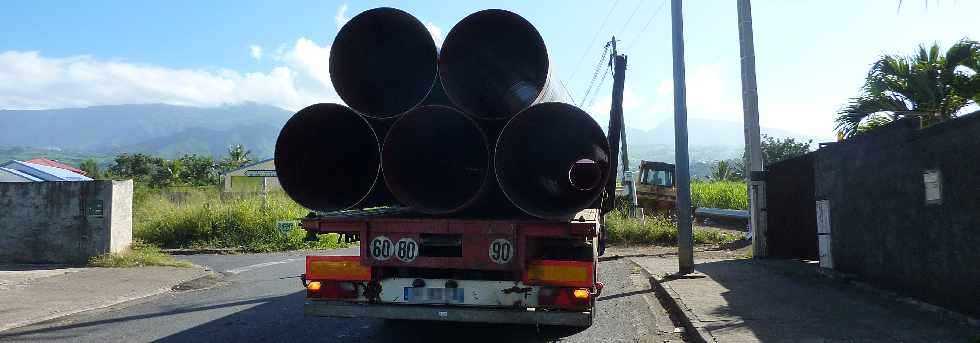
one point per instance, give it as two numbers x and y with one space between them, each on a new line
240 270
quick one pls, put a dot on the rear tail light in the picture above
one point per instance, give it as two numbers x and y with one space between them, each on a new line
563 297
331 290
559 273
336 268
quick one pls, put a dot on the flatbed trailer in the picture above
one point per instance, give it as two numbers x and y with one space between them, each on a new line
411 266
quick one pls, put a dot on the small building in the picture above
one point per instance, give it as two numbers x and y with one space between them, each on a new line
255 177
16 170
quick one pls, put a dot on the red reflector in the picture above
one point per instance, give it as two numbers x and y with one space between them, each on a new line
561 297
333 290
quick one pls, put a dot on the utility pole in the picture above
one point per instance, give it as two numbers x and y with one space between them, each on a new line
685 235
627 177
750 108
615 120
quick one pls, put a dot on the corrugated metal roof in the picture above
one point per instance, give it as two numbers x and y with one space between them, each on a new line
56 164
43 172
248 165
16 176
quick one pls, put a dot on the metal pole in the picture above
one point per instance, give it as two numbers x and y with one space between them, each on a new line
750 107
685 235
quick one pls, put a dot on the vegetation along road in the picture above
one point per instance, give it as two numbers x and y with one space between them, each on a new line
258 298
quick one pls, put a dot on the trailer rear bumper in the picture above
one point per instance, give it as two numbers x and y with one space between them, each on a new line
325 308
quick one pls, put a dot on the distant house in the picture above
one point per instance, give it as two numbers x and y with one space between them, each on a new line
52 163
20 171
254 177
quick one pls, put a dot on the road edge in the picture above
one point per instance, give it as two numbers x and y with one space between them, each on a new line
203 273
676 308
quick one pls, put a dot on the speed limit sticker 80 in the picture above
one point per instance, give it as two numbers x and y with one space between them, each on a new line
501 251
405 250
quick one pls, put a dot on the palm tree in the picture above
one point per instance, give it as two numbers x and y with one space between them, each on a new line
237 157
932 86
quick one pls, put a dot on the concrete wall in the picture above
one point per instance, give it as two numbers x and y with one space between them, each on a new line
61 222
883 229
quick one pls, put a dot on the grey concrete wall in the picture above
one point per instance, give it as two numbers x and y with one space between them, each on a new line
881 226
61 222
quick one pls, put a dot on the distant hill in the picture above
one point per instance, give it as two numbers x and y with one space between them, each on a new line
157 129
74 134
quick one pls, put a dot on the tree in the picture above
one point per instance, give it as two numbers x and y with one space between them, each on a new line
91 168
728 170
138 167
199 170
932 86
775 150
237 157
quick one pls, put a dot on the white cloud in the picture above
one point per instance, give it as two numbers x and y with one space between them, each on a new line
341 17
255 51
29 80
435 31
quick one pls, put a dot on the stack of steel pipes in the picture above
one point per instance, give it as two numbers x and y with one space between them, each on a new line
477 128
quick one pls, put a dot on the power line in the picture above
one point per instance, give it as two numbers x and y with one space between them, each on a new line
601 82
594 36
638 34
638 5
595 73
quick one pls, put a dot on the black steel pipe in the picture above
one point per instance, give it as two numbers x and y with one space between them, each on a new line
494 64
551 160
383 62
436 160
328 158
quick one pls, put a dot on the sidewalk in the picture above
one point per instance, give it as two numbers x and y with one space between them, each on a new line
744 300
29 296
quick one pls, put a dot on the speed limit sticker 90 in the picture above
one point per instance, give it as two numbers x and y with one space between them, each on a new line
501 251
405 250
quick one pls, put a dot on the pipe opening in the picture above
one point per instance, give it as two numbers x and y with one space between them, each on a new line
327 157
551 159
435 160
585 174
383 62
493 64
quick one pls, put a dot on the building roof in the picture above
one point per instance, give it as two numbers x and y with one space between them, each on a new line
43 172
17 174
52 163
248 165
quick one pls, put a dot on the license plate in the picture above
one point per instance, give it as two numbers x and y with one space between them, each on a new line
433 295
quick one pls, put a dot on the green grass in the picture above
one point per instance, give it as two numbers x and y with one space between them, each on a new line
139 255
657 230
719 194
201 219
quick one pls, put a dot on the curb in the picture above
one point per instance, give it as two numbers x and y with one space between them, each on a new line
202 274
677 309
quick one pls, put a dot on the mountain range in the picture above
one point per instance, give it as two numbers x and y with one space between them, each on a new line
101 132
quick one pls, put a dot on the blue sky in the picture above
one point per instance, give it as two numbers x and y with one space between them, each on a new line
811 56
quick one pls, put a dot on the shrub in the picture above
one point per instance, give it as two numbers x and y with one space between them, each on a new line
659 230
720 194
198 217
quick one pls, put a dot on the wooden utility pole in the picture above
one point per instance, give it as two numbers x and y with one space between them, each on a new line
685 234
750 108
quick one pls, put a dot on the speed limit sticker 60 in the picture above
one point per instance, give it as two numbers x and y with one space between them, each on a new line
501 251
381 248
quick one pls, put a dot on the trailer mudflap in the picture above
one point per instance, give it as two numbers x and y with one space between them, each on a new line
327 308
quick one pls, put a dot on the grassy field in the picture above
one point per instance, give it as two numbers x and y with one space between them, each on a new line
140 255
719 194
657 230
199 218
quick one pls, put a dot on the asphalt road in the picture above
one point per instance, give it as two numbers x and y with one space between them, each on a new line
258 298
